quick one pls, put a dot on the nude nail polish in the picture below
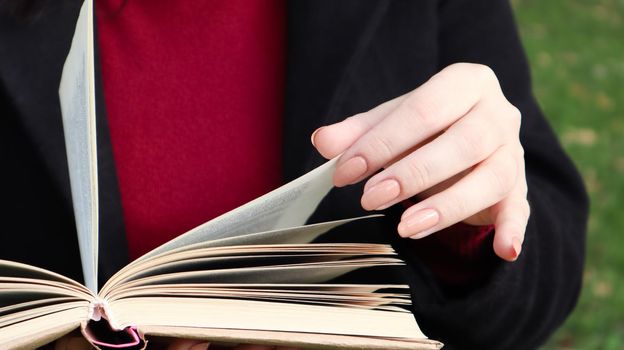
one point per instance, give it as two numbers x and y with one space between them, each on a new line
516 247
381 195
418 222
314 135
350 171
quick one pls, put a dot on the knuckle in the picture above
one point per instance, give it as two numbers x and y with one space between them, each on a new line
502 176
417 176
473 143
481 72
419 114
357 121
487 80
515 115
379 148
462 66
484 73
457 209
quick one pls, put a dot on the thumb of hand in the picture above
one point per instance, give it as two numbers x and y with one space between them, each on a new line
69 342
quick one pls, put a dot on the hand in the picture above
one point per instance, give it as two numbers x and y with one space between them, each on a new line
72 341
453 142
77 342
187 344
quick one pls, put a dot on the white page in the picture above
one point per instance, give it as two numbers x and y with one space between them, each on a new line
77 94
262 315
303 273
292 235
288 206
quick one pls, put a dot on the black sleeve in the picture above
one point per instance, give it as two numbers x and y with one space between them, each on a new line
523 302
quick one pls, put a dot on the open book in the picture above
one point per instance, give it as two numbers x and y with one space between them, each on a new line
252 275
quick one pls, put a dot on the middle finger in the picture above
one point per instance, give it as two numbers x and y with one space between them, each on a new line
465 144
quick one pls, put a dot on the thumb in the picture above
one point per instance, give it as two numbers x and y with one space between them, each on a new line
188 344
72 343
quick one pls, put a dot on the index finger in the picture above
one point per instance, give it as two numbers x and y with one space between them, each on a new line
426 111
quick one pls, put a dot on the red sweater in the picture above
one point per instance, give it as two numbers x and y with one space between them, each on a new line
194 94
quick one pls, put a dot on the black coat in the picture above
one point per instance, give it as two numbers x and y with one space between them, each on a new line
343 57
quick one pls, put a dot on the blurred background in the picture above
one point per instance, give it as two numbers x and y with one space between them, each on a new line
576 49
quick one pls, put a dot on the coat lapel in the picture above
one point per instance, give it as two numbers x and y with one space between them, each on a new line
345 57
32 56
326 41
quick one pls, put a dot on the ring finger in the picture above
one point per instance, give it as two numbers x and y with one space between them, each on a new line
486 185
462 146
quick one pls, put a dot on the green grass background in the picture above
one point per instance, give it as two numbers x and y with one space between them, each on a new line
576 50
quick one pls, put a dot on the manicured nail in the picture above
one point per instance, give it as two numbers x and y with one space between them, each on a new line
418 222
516 246
200 346
314 135
350 171
381 195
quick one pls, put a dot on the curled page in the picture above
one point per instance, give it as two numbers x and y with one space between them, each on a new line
77 94
288 206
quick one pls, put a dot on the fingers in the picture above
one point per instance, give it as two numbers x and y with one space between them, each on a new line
454 139
511 218
462 146
72 343
426 111
262 347
486 185
188 344
333 139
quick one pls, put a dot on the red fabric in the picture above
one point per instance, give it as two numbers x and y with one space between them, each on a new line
194 94
459 255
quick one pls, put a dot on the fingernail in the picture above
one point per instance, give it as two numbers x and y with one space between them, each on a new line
381 195
350 171
420 221
200 346
516 246
314 135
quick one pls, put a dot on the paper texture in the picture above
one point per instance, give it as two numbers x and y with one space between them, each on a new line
77 94
261 315
294 339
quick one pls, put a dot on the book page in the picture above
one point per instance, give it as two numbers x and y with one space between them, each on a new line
262 315
224 260
10 270
311 294
288 273
77 95
293 339
43 329
288 206
291 235
28 294
294 235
